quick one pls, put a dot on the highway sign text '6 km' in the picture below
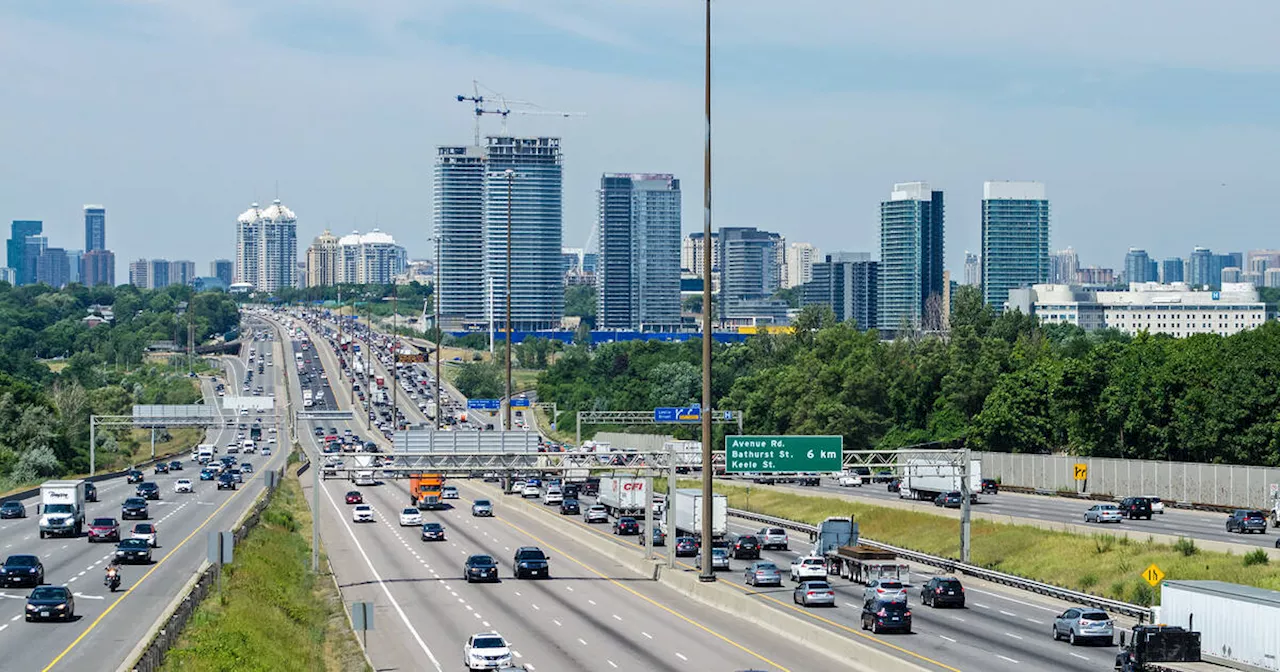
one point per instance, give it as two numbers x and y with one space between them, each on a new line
771 454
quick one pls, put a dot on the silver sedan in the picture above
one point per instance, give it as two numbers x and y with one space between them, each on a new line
1103 513
812 593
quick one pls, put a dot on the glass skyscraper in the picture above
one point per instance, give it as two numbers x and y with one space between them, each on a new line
535 212
19 230
1015 239
458 215
911 247
638 271
848 283
95 228
1139 267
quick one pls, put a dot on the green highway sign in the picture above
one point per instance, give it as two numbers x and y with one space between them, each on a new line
771 454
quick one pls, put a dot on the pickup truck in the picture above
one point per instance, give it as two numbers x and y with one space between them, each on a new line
808 568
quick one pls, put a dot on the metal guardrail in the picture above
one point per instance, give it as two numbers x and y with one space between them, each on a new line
947 564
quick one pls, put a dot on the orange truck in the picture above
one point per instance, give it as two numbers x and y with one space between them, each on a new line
424 490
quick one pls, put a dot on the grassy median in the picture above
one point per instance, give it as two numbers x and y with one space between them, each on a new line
1102 564
274 614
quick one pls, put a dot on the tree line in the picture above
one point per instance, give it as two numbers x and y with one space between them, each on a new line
1001 383
56 370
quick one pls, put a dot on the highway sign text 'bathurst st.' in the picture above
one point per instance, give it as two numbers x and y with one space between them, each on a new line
765 454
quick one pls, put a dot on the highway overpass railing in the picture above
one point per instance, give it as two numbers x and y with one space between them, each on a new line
947 564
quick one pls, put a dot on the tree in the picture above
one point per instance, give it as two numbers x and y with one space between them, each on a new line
580 301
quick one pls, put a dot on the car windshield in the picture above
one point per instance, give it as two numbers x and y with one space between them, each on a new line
719 552
21 561
482 502
410 512
488 643
891 606
10 505
481 560
49 593
777 530
135 501
1095 616
362 507
133 543
57 508
530 554
819 585
766 567
143 528
890 585
103 522
434 527
1254 514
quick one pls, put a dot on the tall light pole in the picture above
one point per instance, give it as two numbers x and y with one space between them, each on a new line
439 332
395 354
511 176
706 574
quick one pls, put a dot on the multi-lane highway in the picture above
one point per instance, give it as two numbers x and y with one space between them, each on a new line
1204 525
109 625
592 615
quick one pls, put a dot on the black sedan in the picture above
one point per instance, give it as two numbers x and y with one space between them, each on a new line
12 509
175 466
19 570
480 568
162 467
432 532
626 526
47 603
569 507
148 490
134 551
226 481
686 547
134 476
135 508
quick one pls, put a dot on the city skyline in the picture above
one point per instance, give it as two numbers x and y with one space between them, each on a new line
1111 127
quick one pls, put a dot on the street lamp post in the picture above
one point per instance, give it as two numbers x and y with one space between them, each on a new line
705 572
511 176
395 355
439 331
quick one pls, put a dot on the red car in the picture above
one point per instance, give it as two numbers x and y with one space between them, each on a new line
354 497
104 529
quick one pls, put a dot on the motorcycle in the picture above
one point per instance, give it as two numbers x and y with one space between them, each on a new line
112 581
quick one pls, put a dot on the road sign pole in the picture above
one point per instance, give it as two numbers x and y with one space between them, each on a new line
671 509
93 444
964 508
648 518
315 518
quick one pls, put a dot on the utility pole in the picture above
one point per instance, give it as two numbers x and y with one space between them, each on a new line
368 365
395 354
506 424
705 573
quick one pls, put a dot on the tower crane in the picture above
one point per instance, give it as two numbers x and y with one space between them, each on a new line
502 109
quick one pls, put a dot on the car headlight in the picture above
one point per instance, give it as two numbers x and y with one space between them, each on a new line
60 607
32 607
32 570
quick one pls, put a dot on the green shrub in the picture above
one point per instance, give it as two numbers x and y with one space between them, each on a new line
1088 581
1143 594
1103 543
1186 546
1257 556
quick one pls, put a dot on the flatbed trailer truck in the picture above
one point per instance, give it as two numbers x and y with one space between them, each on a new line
863 564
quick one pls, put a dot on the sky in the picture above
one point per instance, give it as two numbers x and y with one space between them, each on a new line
1153 123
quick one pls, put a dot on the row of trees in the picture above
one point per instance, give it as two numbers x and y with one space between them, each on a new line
1002 383
55 370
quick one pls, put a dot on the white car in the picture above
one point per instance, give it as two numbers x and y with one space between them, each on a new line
553 496
362 513
448 492
486 651
1157 506
410 517
529 491
889 590
147 532
851 481
811 568
183 485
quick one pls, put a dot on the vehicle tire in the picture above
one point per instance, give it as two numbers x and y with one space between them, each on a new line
42 534
1056 636
864 624
875 628
1071 638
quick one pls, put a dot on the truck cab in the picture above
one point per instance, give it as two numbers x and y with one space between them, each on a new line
1148 645
62 508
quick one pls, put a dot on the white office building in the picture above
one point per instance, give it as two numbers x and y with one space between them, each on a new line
1173 309
267 247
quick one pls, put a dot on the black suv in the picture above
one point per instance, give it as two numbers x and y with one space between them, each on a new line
1247 520
746 547
569 507
878 616
90 492
226 481
530 561
134 476
990 487
148 491
941 591
134 507
1136 507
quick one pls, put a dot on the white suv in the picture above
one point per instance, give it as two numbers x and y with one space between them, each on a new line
552 495
811 568
773 537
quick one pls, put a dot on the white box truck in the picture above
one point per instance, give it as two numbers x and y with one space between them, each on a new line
1237 624
622 496
928 478
61 508
689 513
688 455
363 470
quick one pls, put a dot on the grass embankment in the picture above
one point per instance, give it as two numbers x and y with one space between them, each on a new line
273 614
1102 564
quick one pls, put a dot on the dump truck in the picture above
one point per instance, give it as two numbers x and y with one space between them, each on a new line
424 491
864 564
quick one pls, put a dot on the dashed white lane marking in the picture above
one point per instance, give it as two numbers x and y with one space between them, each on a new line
582 641
536 607
557 622
681 656
1078 655
958 618
948 639
611 663
617 617
981 606
1007 658
1010 634
646 634
1008 613
593 602
16 617
1032 620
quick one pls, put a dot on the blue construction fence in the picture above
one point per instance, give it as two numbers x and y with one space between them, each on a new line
600 337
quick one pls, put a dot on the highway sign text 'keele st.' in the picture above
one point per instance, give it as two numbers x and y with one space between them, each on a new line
773 454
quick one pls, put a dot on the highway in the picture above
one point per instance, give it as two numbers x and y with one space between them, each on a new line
591 615
108 626
1206 525
1001 628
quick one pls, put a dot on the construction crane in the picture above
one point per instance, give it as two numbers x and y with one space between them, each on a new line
502 109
